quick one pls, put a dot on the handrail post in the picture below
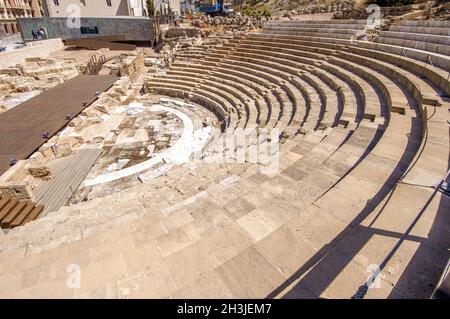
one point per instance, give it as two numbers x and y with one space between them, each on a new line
447 83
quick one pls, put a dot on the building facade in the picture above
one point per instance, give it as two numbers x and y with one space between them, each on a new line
94 8
136 29
10 10
164 5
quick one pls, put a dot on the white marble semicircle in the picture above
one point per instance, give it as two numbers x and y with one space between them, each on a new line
190 141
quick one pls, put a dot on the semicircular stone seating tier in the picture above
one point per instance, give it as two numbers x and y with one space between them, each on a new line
365 144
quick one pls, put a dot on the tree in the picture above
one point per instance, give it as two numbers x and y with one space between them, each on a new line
150 7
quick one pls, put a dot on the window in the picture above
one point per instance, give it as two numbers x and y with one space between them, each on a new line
89 30
108 3
56 2
83 2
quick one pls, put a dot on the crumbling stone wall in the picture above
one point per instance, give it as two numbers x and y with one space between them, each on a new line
132 65
34 75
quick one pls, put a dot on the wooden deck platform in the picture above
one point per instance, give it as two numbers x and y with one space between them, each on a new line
21 128
68 173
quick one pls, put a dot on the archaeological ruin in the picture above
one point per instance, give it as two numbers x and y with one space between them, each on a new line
304 155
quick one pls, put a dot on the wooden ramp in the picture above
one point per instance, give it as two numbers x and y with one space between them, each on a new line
22 128
68 173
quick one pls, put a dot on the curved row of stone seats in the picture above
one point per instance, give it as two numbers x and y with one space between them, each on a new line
427 36
314 22
291 56
338 34
439 60
261 86
443 40
429 24
294 76
301 25
206 99
409 55
248 91
188 55
349 102
432 73
304 91
330 99
340 29
398 103
237 101
400 127
240 54
288 95
421 89
267 235
291 61
319 30
430 91
270 85
385 85
416 201
421 29
313 92
230 102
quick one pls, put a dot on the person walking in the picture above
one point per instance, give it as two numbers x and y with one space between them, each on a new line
34 34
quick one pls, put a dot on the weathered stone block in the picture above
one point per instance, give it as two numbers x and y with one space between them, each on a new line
40 170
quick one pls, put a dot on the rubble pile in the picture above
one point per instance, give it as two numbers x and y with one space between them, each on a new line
174 40
195 41
28 79
42 68
292 8
355 10
242 23
94 124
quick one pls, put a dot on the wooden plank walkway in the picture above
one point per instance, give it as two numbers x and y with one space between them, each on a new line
21 128
68 173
